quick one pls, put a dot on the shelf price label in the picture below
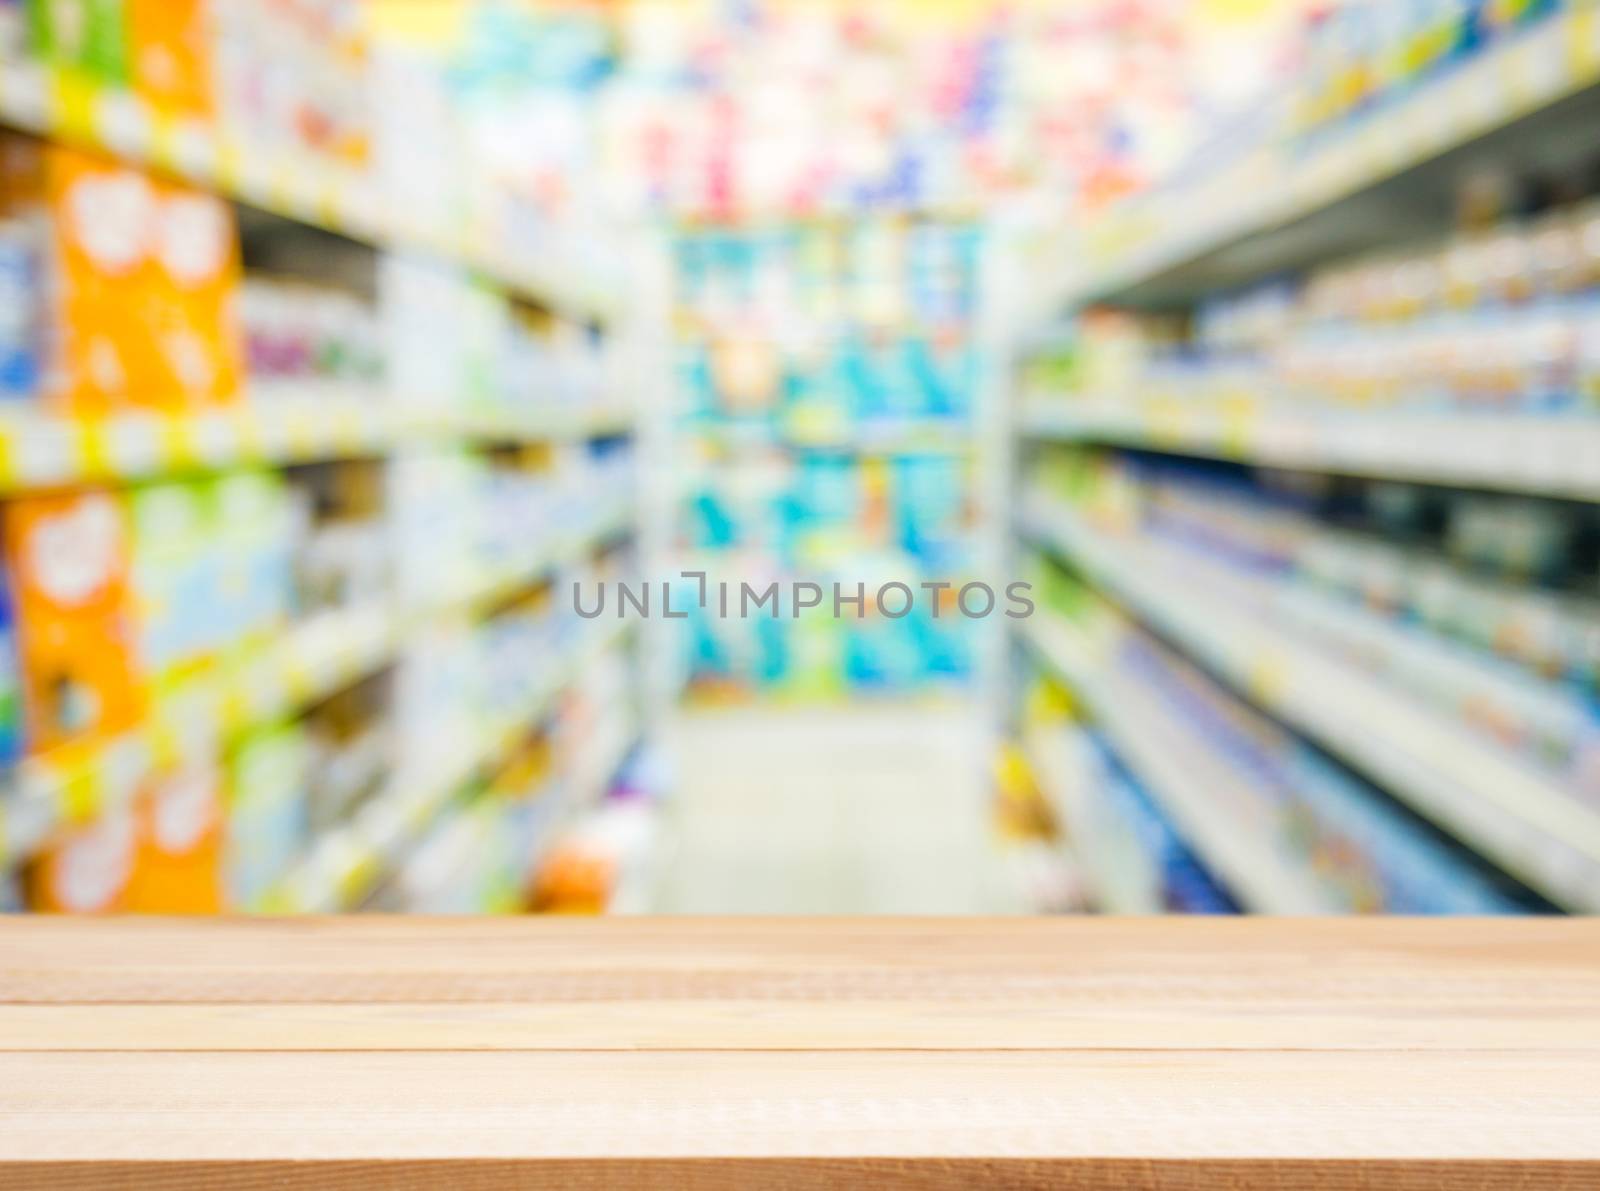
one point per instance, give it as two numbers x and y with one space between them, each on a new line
25 94
184 147
46 453
74 108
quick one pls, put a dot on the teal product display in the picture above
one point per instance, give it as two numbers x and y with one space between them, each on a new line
826 377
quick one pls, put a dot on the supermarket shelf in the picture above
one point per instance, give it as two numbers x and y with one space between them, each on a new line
481 591
1547 455
922 437
42 450
345 865
315 659
554 422
589 780
1193 784
1114 890
36 99
1523 819
1523 102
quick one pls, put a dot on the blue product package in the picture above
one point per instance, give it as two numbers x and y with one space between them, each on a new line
863 388
828 490
19 359
935 398
694 373
944 643
1419 875
772 650
1186 884
10 684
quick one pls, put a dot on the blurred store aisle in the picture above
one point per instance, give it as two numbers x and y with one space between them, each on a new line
869 810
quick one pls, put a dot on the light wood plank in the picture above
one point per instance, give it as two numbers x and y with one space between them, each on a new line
808 1174
370 960
1146 1022
799 1053
351 1105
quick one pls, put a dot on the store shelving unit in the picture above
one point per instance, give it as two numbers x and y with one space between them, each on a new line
769 462
284 425
1187 777
41 450
324 654
1524 819
61 106
1525 104
903 438
1542 455
1280 206
347 863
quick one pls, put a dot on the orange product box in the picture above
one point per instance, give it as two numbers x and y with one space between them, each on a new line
99 277
178 869
87 869
194 318
69 561
171 53
141 276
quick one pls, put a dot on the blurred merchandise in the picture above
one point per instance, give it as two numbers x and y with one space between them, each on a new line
1350 848
1503 317
830 440
351 350
290 488
133 279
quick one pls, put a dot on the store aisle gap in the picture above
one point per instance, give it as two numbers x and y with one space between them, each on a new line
866 809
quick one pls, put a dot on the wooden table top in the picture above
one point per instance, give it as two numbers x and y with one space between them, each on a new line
734 1053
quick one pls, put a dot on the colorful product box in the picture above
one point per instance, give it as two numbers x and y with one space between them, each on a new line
69 562
19 281
175 575
170 53
254 530
13 39
84 37
87 869
268 813
10 689
178 865
213 570
138 277
197 277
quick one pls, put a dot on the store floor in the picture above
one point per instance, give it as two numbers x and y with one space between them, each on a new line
855 810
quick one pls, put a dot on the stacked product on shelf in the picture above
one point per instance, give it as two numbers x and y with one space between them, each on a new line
1130 856
770 111
1359 57
1391 299
286 519
1242 792
315 110
606 860
1503 317
1366 93
1484 606
827 375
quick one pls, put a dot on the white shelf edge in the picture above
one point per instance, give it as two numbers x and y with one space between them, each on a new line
1555 455
1509 81
1183 778
1523 820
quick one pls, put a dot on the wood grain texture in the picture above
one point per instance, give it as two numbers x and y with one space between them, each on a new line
799 1053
